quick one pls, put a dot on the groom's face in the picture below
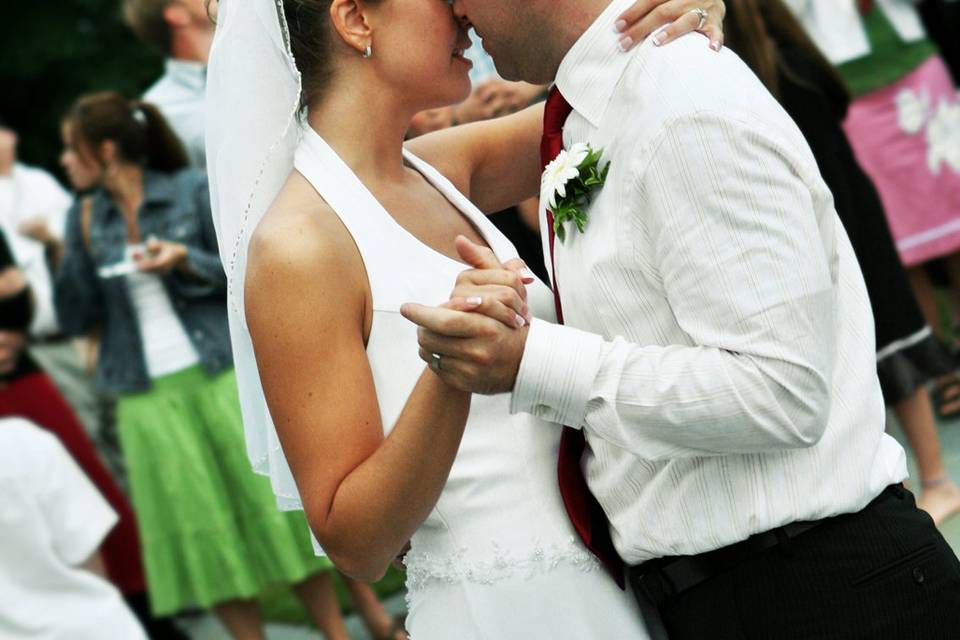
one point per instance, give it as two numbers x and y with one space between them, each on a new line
513 33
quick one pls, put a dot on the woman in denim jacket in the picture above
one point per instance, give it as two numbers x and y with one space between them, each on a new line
141 269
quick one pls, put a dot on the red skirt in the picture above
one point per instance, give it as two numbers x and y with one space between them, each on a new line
34 397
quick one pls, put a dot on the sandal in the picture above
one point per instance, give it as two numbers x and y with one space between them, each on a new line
946 397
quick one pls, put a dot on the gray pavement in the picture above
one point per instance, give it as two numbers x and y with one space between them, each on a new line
206 627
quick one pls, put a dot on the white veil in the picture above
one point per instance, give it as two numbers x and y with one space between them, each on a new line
252 103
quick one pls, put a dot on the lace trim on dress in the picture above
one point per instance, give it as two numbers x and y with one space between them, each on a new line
424 568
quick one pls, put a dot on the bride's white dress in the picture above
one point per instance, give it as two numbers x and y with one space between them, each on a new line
497 558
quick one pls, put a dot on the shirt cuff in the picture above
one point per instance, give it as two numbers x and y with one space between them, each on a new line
556 373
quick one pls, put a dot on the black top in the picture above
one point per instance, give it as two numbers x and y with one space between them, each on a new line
526 240
942 21
16 312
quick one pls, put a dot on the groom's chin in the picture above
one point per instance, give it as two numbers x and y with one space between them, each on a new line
522 73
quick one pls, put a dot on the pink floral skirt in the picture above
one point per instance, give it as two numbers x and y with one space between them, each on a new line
907 137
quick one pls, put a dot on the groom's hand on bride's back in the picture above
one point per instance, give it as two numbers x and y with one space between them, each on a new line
475 340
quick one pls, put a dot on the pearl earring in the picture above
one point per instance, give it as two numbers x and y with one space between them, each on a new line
368 51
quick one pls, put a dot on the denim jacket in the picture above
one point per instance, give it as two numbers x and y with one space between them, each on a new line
175 207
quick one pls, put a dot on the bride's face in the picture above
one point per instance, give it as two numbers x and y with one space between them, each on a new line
418 49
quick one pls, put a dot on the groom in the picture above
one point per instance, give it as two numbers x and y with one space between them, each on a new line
714 357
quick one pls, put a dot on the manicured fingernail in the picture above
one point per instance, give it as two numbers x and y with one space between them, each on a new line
475 300
526 276
619 26
715 45
625 43
658 39
520 321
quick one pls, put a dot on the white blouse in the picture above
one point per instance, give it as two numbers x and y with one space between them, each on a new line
166 345
52 520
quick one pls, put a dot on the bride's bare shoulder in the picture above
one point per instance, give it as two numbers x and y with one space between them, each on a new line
299 237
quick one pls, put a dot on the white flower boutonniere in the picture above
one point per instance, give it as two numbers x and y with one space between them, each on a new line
567 183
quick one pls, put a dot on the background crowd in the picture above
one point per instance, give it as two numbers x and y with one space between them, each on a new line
125 490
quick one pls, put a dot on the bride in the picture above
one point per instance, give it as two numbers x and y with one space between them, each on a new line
328 222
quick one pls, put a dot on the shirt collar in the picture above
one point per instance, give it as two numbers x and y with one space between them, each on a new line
190 73
592 68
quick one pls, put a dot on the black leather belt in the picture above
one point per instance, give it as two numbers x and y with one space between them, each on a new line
664 578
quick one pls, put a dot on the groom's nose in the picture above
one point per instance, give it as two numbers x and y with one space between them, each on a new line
460 13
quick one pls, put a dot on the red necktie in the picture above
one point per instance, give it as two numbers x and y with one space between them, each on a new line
583 509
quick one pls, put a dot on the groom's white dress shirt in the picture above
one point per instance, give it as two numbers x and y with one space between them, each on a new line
719 345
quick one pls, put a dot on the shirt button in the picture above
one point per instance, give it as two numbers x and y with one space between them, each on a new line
918 575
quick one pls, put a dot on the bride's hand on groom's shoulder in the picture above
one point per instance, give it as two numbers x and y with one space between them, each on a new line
646 17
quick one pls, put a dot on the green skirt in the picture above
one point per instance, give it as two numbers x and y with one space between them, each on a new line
209 527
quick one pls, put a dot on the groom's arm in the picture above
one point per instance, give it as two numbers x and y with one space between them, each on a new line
740 254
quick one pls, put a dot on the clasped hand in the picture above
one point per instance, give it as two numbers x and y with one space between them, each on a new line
475 340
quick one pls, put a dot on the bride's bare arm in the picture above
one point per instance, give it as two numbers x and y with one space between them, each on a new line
306 307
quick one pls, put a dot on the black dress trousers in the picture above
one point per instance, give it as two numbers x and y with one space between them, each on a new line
884 573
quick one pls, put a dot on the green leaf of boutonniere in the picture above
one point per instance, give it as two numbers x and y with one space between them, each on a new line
568 184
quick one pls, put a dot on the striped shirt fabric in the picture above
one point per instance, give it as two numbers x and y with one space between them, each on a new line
718 349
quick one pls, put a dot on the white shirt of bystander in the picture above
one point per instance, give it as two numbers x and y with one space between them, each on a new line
52 519
179 94
27 194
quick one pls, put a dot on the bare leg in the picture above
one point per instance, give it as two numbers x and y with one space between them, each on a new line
948 396
320 598
940 496
241 618
923 291
375 617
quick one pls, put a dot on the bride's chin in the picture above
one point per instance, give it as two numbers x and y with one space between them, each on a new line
451 98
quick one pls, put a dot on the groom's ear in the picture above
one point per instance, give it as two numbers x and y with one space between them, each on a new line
351 24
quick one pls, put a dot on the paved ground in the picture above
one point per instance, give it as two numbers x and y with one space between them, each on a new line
950 440
207 628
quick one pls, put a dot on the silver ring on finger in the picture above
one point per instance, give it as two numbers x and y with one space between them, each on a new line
436 361
702 14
